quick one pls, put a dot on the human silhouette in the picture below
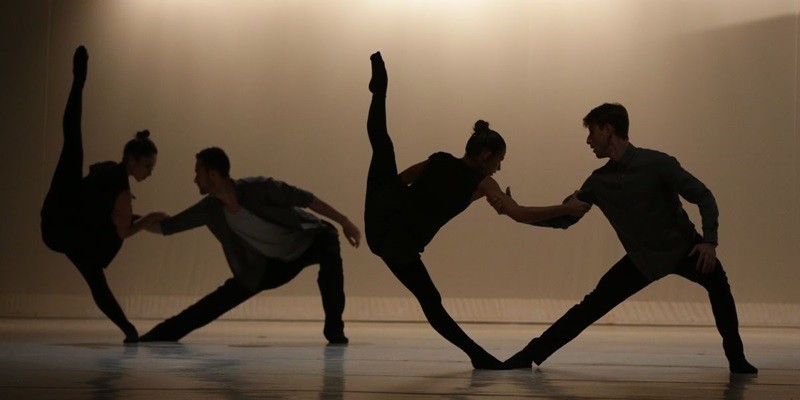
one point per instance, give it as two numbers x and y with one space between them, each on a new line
638 191
87 218
404 211
268 239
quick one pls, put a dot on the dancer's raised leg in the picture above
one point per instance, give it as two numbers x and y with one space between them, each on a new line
382 167
63 196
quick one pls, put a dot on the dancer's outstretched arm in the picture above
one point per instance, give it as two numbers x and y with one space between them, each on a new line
503 203
351 231
122 217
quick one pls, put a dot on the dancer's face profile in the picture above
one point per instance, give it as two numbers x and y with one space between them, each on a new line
491 162
599 139
141 168
201 178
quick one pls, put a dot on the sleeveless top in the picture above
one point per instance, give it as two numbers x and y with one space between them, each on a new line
443 190
101 187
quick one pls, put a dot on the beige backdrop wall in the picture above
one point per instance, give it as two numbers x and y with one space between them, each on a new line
282 86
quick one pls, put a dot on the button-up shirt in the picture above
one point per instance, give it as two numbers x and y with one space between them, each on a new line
639 196
269 199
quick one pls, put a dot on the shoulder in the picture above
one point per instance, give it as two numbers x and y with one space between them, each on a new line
653 156
253 182
104 168
441 156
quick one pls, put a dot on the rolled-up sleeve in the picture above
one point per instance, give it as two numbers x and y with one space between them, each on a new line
190 218
586 195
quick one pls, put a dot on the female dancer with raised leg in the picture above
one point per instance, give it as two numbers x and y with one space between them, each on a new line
404 211
86 218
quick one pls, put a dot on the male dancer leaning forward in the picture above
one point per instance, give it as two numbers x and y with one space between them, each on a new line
638 190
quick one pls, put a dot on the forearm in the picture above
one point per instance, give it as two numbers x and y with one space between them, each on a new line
536 214
133 228
709 214
324 209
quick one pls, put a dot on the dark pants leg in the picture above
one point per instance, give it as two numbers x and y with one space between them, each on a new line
199 314
722 304
325 251
414 276
383 166
620 282
59 211
384 196
96 279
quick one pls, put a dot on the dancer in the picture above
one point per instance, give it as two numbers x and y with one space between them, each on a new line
404 211
638 191
87 218
267 240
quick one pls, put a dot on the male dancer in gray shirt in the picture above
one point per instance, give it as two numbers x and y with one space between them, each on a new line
638 191
267 240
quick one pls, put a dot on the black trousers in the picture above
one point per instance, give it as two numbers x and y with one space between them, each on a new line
324 251
60 216
621 282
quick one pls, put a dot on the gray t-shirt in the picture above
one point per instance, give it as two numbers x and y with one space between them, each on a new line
269 239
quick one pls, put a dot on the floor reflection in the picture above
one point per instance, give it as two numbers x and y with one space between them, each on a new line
390 362
333 372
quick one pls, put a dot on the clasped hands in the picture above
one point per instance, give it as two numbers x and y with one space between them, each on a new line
503 203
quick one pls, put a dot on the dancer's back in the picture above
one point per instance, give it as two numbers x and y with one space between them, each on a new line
443 190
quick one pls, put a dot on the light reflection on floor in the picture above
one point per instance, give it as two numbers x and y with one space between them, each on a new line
85 359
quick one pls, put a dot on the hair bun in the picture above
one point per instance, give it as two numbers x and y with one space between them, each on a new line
143 134
480 126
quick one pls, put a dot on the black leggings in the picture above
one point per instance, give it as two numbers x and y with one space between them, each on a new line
60 212
60 215
387 238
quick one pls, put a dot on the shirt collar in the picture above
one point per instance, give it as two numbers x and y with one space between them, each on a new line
628 155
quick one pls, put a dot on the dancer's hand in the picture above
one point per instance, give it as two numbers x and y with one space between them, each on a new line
575 207
153 220
707 259
80 63
352 233
380 79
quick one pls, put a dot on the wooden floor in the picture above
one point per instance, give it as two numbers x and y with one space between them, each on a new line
84 359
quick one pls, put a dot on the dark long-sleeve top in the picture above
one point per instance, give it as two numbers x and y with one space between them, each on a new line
272 200
639 194
443 190
101 187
